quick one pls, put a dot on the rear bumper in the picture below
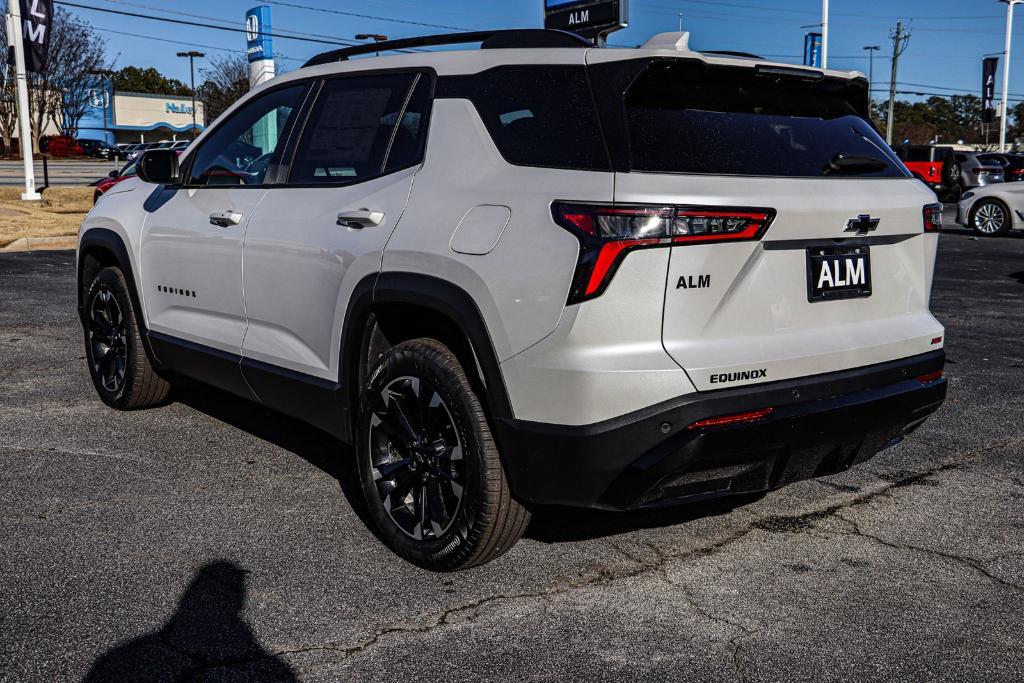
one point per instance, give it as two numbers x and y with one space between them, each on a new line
819 425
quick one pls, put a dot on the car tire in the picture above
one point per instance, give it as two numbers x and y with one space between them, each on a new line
430 470
120 369
951 173
990 218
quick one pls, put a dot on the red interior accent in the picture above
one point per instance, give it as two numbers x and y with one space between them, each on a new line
751 416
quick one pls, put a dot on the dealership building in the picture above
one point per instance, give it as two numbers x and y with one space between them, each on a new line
140 117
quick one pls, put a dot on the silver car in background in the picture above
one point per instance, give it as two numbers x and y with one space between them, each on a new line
992 211
976 172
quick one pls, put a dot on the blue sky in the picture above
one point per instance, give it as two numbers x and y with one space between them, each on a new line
949 37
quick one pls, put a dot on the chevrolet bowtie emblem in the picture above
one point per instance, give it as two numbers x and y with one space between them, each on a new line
862 224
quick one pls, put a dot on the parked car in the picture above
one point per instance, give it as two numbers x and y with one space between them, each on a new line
933 166
1012 165
992 211
114 178
975 171
180 145
140 148
597 292
99 149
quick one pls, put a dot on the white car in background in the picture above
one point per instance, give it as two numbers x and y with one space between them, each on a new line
992 211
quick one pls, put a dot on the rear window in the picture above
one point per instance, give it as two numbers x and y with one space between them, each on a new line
684 117
537 115
915 154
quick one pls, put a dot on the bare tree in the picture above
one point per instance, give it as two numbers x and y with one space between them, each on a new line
61 92
226 79
8 94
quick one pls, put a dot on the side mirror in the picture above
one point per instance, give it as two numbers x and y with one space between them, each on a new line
114 174
158 166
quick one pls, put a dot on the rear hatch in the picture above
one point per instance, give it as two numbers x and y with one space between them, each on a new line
801 246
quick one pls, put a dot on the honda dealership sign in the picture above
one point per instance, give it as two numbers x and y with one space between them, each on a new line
36 22
988 89
590 18
259 45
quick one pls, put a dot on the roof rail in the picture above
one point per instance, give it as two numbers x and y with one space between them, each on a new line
502 38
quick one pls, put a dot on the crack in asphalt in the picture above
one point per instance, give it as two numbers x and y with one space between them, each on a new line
970 562
604 575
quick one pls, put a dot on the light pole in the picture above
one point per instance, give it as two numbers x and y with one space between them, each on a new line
192 54
1006 71
872 49
824 34
375 37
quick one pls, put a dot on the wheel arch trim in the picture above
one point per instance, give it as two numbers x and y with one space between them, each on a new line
107 240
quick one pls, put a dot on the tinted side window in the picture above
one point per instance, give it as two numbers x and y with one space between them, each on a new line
240 151
536 115
918 154
411 136
350 129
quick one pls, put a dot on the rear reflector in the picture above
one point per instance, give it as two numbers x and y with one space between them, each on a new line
933 218
607 233
930 377
752 416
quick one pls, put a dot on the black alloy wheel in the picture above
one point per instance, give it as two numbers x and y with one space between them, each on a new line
416 458
431 473
107 341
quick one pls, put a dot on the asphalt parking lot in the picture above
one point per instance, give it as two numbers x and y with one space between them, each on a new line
210 539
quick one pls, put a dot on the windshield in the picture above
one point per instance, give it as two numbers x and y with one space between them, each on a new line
683 117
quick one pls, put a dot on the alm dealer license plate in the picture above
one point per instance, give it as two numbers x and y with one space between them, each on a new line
838 273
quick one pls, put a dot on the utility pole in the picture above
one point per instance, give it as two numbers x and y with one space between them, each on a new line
900 39
872 49
192 54
680 22
824 34
14 29
1006 72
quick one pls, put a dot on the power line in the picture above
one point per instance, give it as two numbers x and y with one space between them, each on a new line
311 8
179 42
184 22
231 23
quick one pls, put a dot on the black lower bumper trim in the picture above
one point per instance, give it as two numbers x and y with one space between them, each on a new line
819 425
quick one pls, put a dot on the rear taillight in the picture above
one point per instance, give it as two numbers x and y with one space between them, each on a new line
737 418
930 377
607 233
933 218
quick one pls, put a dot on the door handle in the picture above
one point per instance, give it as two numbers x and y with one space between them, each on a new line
363 218
225 219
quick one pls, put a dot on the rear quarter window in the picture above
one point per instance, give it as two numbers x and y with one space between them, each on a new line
536 115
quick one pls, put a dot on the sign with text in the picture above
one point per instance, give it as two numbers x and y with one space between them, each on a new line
36 22
988 89
812 49
259 45
589 18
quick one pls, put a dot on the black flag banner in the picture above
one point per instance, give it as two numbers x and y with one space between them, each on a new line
988 89
36 22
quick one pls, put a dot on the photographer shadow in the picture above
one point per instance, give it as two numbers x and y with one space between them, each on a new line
205 636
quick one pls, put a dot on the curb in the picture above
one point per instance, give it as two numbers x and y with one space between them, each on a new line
40 244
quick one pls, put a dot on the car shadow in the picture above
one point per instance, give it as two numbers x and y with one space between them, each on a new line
562 525
549 524
206 638
1018 276
316 447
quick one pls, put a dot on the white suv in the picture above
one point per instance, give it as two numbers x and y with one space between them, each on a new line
533 273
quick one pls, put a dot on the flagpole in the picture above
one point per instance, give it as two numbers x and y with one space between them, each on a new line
14 29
